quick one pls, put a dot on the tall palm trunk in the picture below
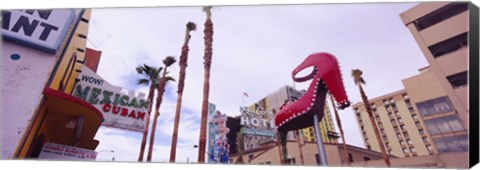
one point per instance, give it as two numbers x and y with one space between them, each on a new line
147 122
374 125
160 91
339 123
181 84
208 39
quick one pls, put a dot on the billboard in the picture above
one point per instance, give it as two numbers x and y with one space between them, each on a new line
53 151
40 29
121 108
217 136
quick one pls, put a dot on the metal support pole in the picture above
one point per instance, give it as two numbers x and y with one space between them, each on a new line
321 148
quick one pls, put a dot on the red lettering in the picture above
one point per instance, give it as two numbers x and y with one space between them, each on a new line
140 115
106 107
116 110
124 112
132 114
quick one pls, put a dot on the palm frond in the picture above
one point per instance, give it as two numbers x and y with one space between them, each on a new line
159 69
207 10
191 26
169 60
139 70
143 81
357 76
168 78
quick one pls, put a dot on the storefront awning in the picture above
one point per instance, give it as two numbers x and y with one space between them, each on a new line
76 120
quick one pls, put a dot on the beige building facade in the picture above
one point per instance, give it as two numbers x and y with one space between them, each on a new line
399 125
441 31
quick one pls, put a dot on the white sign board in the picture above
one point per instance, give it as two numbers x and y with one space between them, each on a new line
53 151
41 29
121 108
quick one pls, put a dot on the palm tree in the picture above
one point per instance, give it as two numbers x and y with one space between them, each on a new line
151 76
339 123
358 79
208 39
181 83
167 62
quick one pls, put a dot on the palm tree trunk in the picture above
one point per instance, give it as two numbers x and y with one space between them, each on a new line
374 125
300 146
145 130
181 84
160 91
206 88
339 123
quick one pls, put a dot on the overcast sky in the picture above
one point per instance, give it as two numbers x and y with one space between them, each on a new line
255 49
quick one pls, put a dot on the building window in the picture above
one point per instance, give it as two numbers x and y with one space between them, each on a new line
435 106
400 120
406 135
411 110
445 124
458 80
414 116
440 15
413 150
366 158
405 150
405 96
350 157
380 125
394 107
397 113
421 132
452 144
377 118
402 126
399 136
418 125
449 45
385 102
369 147
425 139
390 115
429 148
402 143
268 162
409 142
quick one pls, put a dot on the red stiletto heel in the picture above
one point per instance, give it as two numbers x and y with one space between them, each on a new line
326 77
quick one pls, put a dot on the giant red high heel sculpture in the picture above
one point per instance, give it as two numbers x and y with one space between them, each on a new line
309 109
